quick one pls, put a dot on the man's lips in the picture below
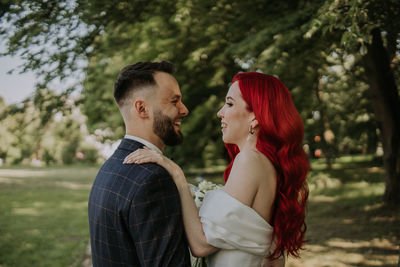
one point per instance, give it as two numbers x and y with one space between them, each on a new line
178 123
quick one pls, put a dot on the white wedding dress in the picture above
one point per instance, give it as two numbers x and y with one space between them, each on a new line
243 236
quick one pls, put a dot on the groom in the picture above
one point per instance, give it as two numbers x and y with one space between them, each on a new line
134 210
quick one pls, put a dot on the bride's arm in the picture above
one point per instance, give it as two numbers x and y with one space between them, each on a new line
191 220
193 227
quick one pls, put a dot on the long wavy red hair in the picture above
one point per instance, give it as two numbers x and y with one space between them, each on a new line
280 139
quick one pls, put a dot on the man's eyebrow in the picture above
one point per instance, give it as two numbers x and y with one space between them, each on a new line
176 97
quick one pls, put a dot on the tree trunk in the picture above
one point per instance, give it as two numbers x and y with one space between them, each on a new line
398 262
386 103
327 142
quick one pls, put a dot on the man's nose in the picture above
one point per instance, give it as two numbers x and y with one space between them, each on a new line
184 110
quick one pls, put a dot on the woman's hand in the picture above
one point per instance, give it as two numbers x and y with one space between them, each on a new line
147 155
191 220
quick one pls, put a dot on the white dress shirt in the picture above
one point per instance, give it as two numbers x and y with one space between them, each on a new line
144 142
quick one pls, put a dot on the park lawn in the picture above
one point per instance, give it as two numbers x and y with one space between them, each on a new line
347 223
43 216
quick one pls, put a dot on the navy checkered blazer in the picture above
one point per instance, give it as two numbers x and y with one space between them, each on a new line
135 214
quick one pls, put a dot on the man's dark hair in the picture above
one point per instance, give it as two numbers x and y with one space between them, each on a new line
138 75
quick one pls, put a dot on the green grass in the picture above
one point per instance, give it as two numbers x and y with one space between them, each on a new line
348 225
43 215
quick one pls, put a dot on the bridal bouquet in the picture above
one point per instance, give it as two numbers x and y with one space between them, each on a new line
200 191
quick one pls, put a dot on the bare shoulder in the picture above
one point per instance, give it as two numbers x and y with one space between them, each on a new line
251 171
254 162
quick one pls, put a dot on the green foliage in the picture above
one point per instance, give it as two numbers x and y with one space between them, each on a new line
89 154
68 153
35 130
48 158
71 136
355 20
315 47
199 149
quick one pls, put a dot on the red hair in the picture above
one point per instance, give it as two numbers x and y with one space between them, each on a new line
280 139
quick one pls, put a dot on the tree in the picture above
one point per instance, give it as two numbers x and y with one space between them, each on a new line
330 54
6 137
32 130
372 29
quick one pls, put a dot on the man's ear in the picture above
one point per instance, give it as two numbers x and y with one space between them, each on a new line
141 108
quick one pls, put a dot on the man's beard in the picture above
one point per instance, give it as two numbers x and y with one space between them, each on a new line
163 127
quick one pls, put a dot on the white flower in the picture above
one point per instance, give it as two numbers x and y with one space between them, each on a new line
198 202
200 191
199 194
206 185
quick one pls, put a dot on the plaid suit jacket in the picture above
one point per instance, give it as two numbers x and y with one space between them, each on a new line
135 214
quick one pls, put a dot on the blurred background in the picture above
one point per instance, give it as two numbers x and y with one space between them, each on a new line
340 60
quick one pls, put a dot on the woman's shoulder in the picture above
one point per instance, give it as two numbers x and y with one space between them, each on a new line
250 173
252 168
253 160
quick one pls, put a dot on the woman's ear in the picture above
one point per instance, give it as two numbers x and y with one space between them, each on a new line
254 123
141 108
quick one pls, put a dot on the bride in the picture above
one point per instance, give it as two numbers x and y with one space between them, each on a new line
259 214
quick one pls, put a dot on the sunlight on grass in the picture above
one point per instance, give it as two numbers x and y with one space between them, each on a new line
355 158
343 253
33 232
342 243
44 215
23 173
27 211
73 205
348 225
322 198
375 170
73 186
10 181
360 189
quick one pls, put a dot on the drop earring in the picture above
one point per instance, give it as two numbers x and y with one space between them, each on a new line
251 130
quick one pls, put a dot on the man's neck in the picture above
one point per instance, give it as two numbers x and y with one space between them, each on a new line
151 138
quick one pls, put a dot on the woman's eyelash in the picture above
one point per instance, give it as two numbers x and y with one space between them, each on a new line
229 104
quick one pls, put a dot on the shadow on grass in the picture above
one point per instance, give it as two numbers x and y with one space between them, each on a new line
352 223
348 225
347 222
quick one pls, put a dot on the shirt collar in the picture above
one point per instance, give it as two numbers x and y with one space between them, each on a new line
144 142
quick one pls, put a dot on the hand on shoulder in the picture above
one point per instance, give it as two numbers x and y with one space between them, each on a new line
146 155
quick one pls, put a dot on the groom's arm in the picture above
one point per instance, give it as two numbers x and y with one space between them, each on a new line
155 222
